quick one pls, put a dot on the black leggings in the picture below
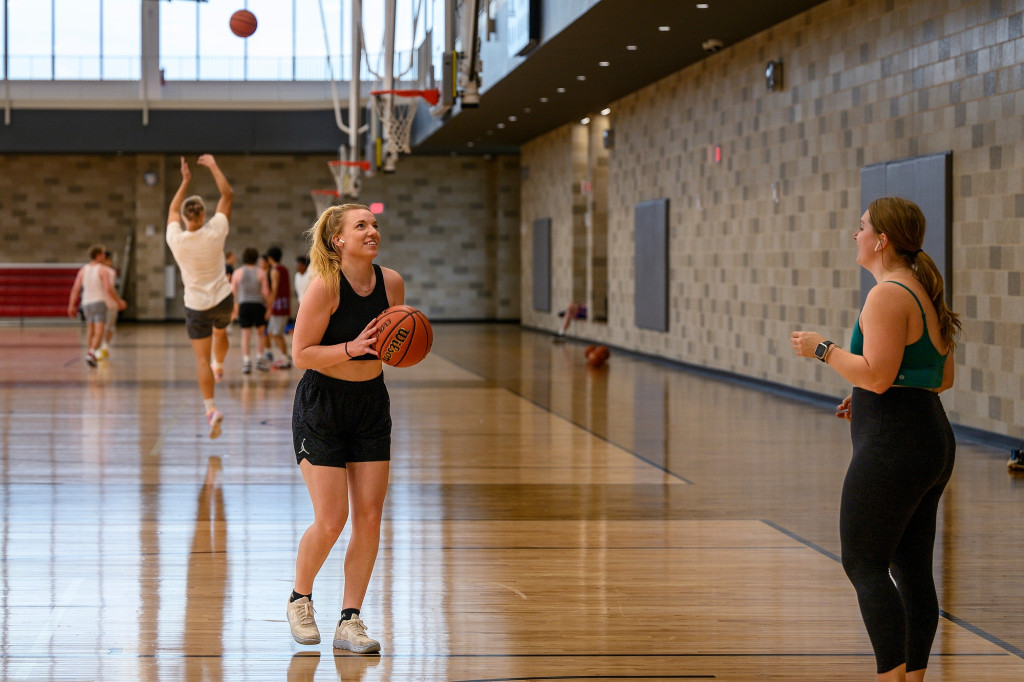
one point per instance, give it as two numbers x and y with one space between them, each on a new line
903 451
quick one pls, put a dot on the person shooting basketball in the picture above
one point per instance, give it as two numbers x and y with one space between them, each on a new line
198 248
341 419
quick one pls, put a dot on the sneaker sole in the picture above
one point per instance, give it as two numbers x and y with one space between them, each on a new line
306 640
349 646
215 427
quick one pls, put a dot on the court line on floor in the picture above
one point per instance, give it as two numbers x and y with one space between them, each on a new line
966 625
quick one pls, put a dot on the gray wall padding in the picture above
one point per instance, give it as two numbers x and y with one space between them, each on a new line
651 268
928 182
542 264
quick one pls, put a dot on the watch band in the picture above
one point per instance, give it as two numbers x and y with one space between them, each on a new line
822 350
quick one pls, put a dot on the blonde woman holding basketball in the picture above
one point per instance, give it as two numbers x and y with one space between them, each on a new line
341 420
900 359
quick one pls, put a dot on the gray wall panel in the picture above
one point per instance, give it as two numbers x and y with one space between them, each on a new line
651 271
928 182
542 264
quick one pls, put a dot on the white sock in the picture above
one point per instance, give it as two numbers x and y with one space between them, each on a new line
245 359
208 403
216 365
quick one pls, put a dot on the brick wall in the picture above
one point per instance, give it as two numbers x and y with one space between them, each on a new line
450 225
866 81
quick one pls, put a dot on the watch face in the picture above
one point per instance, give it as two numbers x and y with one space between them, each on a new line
819 351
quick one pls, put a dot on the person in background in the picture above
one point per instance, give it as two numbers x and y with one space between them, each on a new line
229 264
280 307
251 292
301 277
573 311
95 283
113 308
198 248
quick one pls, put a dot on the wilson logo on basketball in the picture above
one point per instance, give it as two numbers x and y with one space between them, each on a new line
396 344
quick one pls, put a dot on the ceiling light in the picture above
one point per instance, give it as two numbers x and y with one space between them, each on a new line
702 5
526 110
560 90
581 78
603 63
631 48
664 29
585 120
501 125
543 99
512 118
606 111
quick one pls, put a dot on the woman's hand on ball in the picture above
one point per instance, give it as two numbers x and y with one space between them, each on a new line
364 343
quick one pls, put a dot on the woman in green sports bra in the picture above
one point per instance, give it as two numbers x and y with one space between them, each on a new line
900 359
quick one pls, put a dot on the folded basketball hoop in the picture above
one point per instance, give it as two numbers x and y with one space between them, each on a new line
396 110
323 199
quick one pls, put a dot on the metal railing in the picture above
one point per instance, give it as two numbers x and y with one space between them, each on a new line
193 68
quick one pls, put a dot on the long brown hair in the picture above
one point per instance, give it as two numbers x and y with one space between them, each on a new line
903 222
324 258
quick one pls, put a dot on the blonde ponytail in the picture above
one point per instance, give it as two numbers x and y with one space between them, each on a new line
324 258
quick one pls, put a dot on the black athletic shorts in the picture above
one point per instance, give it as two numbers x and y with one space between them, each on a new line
200 323
252 315
336 421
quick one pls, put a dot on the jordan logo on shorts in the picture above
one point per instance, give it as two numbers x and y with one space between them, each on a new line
302 448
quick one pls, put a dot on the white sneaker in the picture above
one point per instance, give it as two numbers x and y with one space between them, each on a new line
300 618
214 418
351 634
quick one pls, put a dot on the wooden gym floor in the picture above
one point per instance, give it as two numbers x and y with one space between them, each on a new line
545 521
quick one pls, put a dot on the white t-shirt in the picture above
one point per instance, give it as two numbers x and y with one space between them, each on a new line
301 283
94 289
200 255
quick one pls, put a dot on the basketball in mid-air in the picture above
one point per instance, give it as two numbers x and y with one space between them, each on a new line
404 336
243 23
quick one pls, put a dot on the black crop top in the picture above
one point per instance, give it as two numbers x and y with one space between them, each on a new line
355 312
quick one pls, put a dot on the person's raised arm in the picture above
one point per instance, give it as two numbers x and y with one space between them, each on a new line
227 195
174 212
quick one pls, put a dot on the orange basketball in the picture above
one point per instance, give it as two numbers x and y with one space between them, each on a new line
597 356
588 350
404 336
243 23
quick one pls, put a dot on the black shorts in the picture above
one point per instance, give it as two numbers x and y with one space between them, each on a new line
252 315
200 323
336 421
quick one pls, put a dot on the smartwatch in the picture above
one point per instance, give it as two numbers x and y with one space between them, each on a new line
821 351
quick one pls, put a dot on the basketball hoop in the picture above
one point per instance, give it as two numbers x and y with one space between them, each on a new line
323 199
396 109
346 176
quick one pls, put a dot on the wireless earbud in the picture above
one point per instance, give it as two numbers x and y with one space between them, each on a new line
878 246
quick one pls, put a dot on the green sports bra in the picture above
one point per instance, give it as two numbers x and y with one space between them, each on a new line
922 363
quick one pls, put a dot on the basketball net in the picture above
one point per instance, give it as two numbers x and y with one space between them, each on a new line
323 199
346 176
396 122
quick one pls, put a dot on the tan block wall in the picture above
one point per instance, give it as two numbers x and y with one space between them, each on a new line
449 224
547 192
866 81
